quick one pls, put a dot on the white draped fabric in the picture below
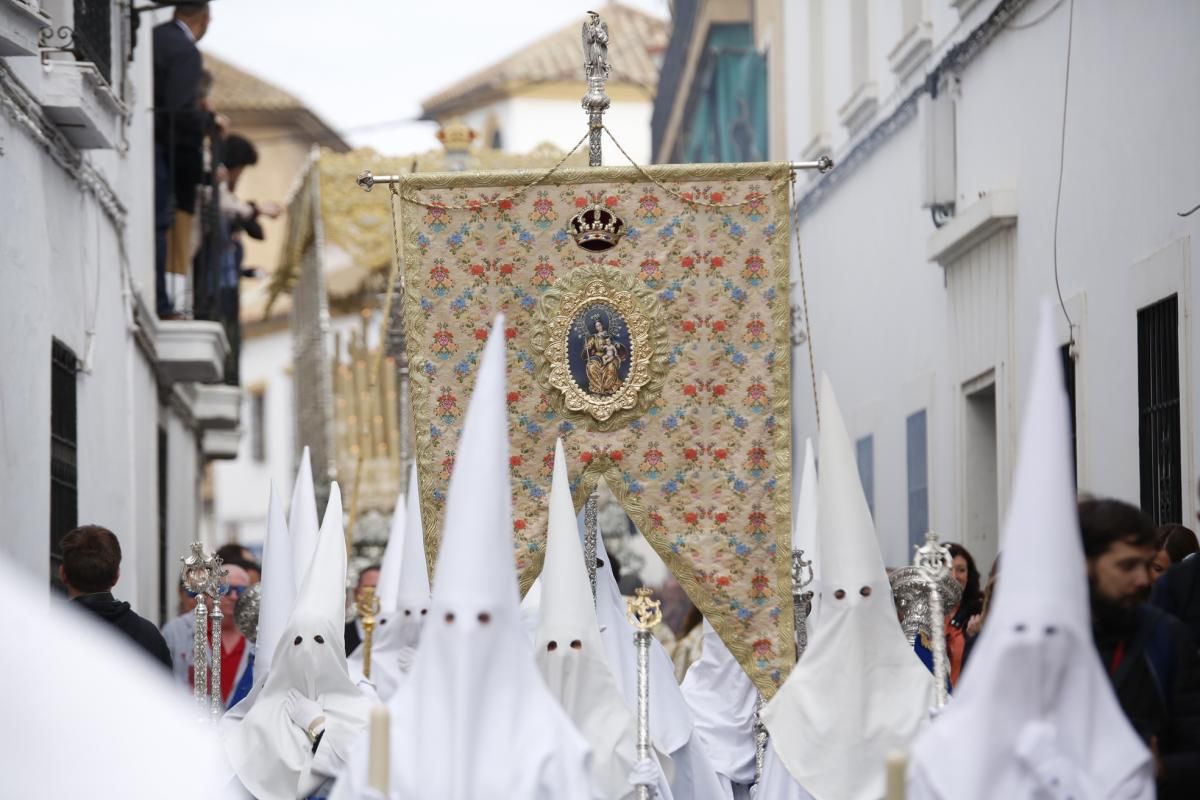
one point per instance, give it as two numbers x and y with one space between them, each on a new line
723 700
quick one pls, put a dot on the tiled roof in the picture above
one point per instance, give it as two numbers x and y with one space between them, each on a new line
235 89
638 40
249 100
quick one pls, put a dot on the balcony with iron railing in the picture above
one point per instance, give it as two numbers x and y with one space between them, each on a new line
92 35
76 79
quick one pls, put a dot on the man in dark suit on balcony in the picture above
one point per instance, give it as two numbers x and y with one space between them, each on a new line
179 128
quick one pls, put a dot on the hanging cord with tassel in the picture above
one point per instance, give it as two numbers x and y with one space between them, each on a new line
794 218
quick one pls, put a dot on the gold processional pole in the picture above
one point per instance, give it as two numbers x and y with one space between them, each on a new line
644 612
203 576
368 607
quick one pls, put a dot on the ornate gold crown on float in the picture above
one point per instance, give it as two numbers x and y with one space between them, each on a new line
456 135
596 229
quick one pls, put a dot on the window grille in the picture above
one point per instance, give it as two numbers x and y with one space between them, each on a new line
93 34
64 487
1158 411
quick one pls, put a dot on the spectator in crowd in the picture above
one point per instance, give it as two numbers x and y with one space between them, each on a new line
219 266
91 566
1178 593
179 128
354 630
233 553
1174 543
958 636
1149 655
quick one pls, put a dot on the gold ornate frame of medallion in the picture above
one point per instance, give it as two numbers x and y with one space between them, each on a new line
600 289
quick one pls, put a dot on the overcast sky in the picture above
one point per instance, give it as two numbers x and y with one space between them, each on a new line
360 63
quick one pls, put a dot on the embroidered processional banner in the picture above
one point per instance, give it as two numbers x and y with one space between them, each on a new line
662 362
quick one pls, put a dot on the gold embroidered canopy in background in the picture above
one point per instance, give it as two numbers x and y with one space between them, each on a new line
662 363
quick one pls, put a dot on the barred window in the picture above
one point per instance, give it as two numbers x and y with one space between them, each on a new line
1158 411
64 487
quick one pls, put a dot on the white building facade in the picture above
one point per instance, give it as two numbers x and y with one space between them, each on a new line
107 415
930 248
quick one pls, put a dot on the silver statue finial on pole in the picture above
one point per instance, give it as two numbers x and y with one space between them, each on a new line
922 593
596 68
203 576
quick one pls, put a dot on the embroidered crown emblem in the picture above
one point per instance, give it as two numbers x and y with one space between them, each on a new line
596 229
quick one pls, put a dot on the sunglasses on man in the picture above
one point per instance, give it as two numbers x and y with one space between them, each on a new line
236 591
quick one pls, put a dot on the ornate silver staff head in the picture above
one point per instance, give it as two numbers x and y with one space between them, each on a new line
910 589
799 567
933 559
923 593
197 569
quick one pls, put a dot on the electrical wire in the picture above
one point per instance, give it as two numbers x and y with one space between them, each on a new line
1038 21
1062 152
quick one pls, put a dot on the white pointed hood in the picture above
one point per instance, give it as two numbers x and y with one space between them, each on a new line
302 518
474 719
1034 683
278 585
412 595
568 649
804 531
722 699
859 692
671 721
81 700
389 568
270 753
404 589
